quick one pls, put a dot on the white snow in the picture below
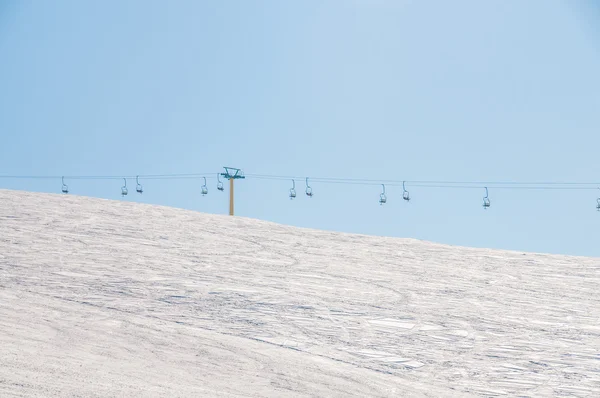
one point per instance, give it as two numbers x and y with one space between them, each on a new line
111 298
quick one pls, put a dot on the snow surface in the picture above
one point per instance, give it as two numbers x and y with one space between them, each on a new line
111 298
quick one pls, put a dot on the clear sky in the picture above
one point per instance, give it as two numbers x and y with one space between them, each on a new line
399 89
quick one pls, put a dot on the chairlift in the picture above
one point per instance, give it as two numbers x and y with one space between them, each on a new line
293 190
219 184
405 194
124 188
382 197
486 200
204 188
309 191
138 186
598 203
65 188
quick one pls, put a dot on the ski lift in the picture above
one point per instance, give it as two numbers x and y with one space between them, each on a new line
405 194
124 188
293 190
65 188
309 192
598 203
382 197
204 188
138 186
219 183
486 200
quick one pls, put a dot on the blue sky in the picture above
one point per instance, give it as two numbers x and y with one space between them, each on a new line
399 89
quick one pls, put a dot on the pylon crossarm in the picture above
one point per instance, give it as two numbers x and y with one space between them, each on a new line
233 173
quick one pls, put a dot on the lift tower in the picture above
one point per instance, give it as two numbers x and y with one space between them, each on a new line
231 173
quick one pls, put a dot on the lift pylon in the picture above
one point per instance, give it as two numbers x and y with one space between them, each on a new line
232 174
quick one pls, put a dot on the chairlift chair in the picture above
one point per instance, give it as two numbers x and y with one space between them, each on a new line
204 188
138 186
65 188
405 194
124 188
309 191
293 190
486 200
219 184
382 197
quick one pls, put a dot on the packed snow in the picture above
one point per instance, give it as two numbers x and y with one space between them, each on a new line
113 298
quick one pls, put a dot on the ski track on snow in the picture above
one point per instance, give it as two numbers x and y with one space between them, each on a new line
111 298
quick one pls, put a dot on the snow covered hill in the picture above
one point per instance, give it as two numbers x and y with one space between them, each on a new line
109 298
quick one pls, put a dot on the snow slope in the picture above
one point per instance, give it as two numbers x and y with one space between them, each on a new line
109 298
